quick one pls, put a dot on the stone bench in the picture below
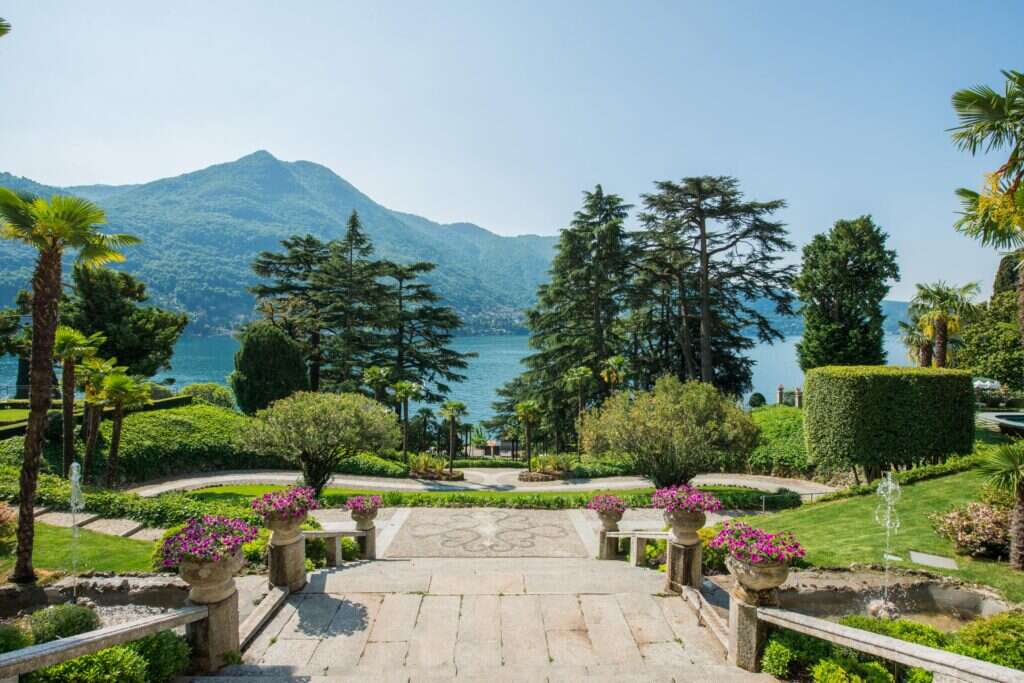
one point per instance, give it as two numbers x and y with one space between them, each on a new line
608 543
333 533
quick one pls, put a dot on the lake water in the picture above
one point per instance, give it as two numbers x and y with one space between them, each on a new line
211 359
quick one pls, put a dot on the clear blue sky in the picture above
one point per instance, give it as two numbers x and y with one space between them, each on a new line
501 113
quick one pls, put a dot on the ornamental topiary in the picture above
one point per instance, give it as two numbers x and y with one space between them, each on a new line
879 416
62 621
268 366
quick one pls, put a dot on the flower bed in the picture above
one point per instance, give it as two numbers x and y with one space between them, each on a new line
210 538
288 504
754 546
684 498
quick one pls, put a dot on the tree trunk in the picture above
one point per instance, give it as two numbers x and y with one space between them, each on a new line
405 430
1020 299
115 444
314 361
92 438
707 371
45 301
1017 531
529 451
924 356
451 445
579 423
941 342
67 398
22 380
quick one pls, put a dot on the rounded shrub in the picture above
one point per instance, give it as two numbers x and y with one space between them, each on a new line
876 417
756 400
998 639
119 664
211 393
166 655
13 637
62 621
268 366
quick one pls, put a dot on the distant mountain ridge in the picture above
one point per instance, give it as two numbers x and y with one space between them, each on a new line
201 230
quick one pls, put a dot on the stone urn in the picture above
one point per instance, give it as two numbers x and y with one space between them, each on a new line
685 526
757 581
610 519
285 530
364 520
210 581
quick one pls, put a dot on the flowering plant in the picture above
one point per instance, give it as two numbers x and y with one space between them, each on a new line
755 546
293 502
976 529
606 503
684 498
363 505
209 538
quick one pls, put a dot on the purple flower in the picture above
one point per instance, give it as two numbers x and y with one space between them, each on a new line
684 498
210 538
363 504
293 502
606 503
756 546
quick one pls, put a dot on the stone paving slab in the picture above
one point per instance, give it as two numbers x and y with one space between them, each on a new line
64 519
114 527
487 532
148 534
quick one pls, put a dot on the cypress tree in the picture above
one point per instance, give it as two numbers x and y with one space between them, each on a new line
268 366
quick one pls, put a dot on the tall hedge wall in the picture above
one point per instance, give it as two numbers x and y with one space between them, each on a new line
877 416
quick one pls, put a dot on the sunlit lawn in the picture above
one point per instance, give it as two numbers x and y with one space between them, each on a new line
843 532
96 552
13 415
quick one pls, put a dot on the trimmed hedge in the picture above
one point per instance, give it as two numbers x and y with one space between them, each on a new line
882 416
370 465
953 465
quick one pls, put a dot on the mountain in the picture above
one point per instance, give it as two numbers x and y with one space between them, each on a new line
201 230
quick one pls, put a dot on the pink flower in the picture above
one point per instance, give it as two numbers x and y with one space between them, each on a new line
363 504
756 546
210 538
684 498
606 503
294 502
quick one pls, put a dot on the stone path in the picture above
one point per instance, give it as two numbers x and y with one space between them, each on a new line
497 619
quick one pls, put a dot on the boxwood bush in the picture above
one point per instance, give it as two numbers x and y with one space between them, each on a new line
119 664
876 417
62 621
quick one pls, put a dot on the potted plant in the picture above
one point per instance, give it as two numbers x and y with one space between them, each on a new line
685 509
284 512
758 560
609 509
364 510
208 554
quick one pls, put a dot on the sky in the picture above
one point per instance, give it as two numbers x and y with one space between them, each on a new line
502 113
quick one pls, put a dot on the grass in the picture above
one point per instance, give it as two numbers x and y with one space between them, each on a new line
13 415
96 552
844 532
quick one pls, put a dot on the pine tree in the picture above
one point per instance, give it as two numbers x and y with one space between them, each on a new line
844 277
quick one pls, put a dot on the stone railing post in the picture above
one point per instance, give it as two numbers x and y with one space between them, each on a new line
215 639
780 394
287 553
747 633
684 552
608 548
798 397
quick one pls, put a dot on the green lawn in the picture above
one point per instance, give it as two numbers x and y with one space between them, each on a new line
843 532
96 552
12 415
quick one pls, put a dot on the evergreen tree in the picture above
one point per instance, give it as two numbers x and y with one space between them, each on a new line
1006 274
844 277
268 366
292 300
115 305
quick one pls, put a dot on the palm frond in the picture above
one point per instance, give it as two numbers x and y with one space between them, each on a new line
1004 467
5 27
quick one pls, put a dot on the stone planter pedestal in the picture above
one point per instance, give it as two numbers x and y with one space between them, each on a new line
756 586
287 552
214 640
608 548
368 543
683 551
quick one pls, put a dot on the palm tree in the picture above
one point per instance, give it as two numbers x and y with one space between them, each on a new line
405 390
426 417
575 379
50 227
93 371
614 371
1004 468
120 392
377 378
452 411
920 346
5 27
942 309
528 413
70 347
989 122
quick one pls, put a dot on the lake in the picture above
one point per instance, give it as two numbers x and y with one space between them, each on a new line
211 359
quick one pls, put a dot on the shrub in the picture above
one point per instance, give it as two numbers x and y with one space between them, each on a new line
780 450
487 462
904 629
776 660
880 416
424 463
269 366
119 664
976 529
13 637
370 465
998 639
672 433
158 391
61 621
318 431
213 394
756 400
712 558
166 655
848 670
793 652
8 525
